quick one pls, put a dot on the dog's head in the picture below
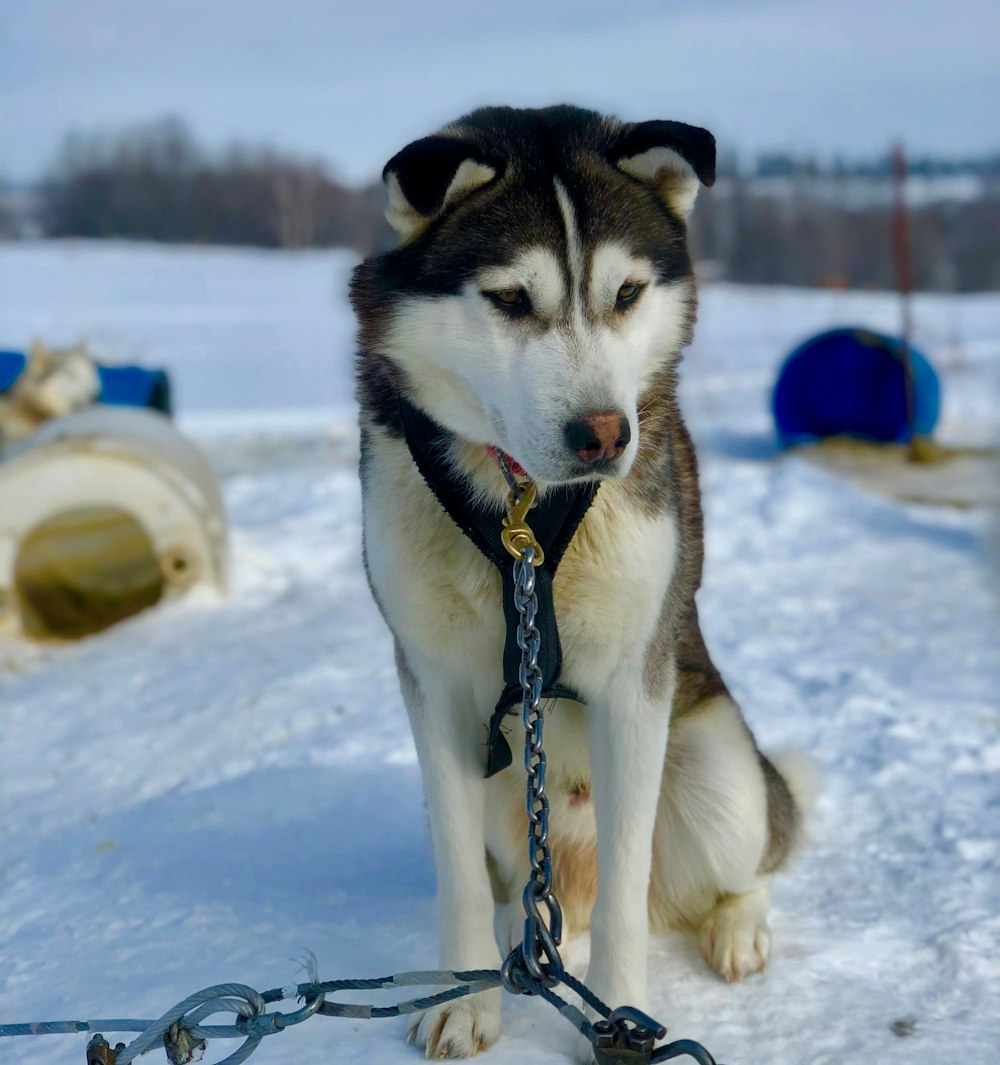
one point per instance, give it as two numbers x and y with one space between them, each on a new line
543 279
57 381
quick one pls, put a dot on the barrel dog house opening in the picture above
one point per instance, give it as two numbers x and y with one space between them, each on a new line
103 514
83 570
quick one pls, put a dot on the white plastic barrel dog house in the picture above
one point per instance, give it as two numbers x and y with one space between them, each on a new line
103 513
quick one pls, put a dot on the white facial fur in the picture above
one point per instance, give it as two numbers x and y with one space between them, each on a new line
516 382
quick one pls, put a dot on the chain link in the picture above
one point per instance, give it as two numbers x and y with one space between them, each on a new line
536 802
539 951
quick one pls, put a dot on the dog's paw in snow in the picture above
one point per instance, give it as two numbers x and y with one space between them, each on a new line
735 938
458 1029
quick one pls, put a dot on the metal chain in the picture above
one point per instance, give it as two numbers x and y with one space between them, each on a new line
540 953
529 640
625 1035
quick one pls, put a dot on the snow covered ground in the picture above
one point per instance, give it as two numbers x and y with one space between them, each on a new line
216 787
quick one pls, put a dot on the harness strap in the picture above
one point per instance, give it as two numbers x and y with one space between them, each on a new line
554 521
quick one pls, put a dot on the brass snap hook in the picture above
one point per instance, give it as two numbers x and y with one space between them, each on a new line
517 534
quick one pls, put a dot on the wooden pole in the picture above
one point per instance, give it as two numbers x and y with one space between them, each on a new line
904 284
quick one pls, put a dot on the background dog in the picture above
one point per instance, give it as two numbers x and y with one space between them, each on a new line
54 383
539 303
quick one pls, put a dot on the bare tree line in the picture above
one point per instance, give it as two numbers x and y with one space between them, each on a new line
155 183
809 230
784 220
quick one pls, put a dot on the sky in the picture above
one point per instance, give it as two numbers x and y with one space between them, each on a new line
351 83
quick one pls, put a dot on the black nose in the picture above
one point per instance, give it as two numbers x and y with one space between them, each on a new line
598 437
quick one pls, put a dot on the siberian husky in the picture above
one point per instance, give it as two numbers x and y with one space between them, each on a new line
537 306
54 383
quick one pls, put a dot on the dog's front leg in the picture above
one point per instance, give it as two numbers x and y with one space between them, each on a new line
448 739
628 742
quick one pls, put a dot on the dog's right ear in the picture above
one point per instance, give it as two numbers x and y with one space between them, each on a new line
430 175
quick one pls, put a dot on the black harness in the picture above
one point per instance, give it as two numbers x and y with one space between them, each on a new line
554 520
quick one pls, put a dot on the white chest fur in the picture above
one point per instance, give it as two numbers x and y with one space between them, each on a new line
442 598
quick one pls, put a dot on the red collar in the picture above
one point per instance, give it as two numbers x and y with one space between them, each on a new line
516 468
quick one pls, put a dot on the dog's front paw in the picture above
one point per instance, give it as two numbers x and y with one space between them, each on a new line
458 1029
735 939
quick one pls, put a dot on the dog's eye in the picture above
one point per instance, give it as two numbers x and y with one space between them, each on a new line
512 301
628 293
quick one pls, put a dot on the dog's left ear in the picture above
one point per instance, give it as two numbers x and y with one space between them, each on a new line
430 175
672 157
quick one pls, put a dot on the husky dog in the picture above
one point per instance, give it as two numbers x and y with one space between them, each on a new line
54 383
537 306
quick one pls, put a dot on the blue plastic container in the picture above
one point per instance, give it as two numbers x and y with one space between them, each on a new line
851 382
12 364
125 386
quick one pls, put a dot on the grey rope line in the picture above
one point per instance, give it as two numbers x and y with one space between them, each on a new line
214 1000
585 993
254 1023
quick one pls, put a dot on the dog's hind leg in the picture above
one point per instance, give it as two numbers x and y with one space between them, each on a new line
726 821
447 736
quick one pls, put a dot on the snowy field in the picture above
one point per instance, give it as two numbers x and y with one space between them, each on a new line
211 790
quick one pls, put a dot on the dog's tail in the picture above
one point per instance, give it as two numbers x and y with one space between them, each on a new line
793 783
802 775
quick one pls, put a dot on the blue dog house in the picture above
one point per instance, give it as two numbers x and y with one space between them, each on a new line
851 382
122 386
